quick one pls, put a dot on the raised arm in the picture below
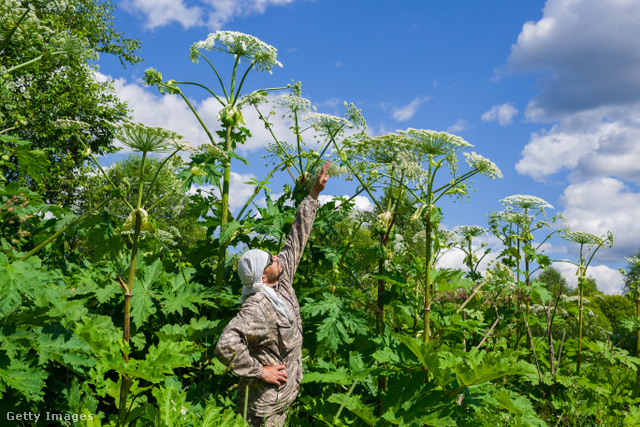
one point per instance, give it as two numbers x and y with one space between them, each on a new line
301 227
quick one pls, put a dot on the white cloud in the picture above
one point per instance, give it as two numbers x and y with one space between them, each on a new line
459 126
586 52
405 113
503 114
171 112
213 14
605 204
608 280
163 12
595 143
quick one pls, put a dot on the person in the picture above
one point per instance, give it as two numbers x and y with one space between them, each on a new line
262 344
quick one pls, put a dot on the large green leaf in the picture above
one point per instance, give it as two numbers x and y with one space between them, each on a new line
20 375
20 278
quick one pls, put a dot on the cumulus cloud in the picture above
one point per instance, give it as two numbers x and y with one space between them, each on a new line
459 126
605 204
171 112
402 114
608 280
586 52
210 13
503 114
595 143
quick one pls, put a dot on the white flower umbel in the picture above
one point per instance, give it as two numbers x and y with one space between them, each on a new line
294 103
470 231
245 46
431 142
147 139
327 123
485 166
525 202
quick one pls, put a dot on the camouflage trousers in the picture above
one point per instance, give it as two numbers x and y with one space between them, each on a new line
275 420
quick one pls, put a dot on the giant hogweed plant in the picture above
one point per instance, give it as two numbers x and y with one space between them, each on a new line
410 161
589 245
524 216
632 280
257 55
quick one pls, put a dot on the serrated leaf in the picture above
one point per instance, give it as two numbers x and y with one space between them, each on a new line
24 378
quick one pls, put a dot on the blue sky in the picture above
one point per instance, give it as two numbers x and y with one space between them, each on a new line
548 90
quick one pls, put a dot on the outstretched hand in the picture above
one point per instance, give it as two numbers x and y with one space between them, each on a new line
274 374
321 181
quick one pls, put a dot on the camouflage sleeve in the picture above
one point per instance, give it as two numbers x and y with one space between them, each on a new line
297 239
249 328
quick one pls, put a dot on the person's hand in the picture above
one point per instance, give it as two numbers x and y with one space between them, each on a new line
321 181
274 374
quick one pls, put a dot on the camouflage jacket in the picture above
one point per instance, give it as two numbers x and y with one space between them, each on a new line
261 336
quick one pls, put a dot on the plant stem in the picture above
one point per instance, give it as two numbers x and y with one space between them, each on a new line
224 214
535 356
33 61
427 277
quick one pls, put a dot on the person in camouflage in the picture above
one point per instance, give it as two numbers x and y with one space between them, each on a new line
263 343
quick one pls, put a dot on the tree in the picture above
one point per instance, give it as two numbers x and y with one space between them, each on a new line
59 86
554 281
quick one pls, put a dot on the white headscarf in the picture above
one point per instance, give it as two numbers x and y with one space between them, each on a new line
250 268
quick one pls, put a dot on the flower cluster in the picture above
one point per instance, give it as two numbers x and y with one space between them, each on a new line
581 237
244 46
294 103
483 165
468 231
149 139
355 115
431 142
327 123
254 98
511 217
525 202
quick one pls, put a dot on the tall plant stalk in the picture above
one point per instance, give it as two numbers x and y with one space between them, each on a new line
589 246
258 55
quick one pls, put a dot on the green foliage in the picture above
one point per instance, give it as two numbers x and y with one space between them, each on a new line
121 325
59 106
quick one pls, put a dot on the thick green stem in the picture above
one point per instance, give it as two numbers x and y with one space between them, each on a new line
637 391
126 383
427 278
224 215
63 229
132 274
581 296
